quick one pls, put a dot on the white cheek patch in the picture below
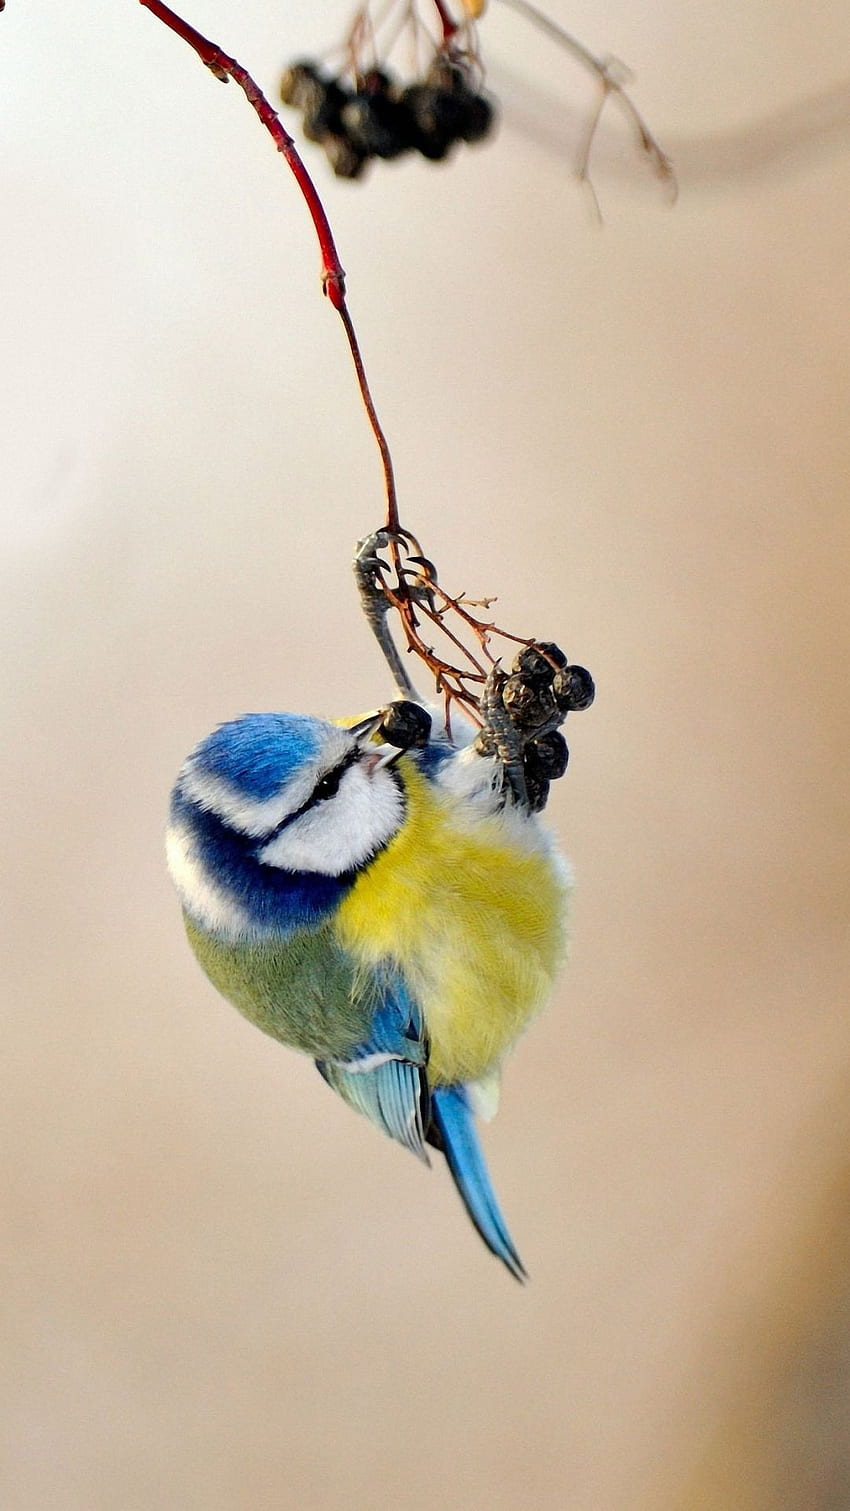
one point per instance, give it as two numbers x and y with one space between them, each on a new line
251 815
198 893
341 833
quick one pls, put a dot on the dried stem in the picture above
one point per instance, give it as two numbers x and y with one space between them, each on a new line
377 428
608 75
224 67
408 584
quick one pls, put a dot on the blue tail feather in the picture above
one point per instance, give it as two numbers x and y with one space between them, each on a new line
454 1121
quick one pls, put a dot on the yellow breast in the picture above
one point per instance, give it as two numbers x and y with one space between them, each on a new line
473 914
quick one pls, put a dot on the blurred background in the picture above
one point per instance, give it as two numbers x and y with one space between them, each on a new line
220 1289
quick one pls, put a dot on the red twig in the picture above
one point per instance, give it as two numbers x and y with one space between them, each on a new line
419 599
377 428
224 68
333 277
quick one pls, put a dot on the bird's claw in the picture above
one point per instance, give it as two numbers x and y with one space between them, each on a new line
369 573
499 736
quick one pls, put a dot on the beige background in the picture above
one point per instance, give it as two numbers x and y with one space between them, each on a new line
220 1290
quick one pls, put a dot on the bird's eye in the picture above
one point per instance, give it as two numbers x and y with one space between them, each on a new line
329 785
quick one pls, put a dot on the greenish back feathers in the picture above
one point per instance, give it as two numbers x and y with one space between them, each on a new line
302 990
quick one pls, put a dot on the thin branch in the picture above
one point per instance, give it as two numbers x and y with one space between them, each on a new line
609 76
224 67
377 428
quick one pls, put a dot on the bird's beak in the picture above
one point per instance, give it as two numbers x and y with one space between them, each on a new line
387 757
378 757
364 730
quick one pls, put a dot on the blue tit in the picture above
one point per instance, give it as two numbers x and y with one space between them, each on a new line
392 913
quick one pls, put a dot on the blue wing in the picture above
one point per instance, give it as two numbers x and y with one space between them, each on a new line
384 1077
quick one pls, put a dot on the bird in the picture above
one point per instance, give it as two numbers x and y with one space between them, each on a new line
384 905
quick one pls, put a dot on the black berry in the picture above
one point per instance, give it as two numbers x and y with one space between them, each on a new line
406 725
296 82
537 788
538 663
344 158
573 688
478 117
323 106
547 755
433 119
527 705
376 124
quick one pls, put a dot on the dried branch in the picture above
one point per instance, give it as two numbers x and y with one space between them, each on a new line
612 78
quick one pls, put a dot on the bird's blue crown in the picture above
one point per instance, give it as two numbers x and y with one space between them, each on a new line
259 752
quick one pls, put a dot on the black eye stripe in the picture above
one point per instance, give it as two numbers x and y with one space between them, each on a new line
326 787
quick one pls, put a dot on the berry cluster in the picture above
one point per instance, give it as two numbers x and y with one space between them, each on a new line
534 700
531 703
381 118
